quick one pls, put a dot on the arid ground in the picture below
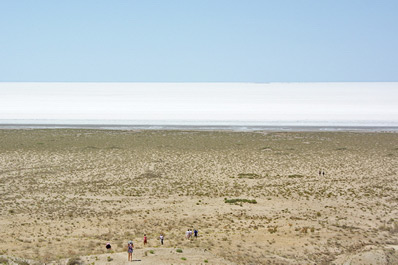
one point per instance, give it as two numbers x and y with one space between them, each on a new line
255 197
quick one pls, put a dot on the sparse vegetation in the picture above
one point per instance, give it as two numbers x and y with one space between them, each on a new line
89 185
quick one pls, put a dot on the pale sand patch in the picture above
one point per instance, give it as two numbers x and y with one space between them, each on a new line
159 256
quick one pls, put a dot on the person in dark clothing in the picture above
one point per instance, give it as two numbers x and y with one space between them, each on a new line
130 249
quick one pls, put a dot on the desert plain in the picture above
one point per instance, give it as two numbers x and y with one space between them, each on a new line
255 197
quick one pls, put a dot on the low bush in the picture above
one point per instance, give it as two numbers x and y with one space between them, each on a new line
235 201
295 176
248 175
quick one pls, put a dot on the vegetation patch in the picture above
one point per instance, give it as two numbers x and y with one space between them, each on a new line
236 201
248 175
150 175
295 176
273 229
266 148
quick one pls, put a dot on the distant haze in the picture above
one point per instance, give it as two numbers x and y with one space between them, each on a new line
211 102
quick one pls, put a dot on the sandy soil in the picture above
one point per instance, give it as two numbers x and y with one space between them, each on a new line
65 193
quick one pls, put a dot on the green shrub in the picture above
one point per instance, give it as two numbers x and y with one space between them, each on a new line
295 176
235 201
248 175
179 250
273 229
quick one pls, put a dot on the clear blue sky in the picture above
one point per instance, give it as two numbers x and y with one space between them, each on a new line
199 40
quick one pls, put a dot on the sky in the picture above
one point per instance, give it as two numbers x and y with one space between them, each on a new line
334 103
198 41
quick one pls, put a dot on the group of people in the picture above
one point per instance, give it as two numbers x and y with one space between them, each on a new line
189 232
321 173
130 245
161 238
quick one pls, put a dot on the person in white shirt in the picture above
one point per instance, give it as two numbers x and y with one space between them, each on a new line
161 238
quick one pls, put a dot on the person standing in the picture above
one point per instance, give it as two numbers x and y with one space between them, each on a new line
145 240
195 233
161 237
130 249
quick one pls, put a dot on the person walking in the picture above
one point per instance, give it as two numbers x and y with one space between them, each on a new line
195 233
130 249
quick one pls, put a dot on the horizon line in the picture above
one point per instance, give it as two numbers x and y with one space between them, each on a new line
177 82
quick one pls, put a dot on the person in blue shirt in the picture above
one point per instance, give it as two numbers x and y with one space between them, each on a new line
130 249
